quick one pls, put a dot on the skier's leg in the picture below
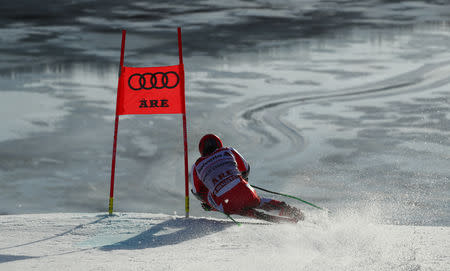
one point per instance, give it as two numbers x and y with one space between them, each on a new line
267 204
238 198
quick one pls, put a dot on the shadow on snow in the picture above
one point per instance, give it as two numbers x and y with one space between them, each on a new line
9 258
171 232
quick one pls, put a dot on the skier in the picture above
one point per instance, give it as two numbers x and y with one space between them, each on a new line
220 178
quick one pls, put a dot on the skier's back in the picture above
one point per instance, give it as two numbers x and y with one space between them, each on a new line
220 182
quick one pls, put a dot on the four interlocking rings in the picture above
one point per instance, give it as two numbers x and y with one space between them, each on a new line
157 80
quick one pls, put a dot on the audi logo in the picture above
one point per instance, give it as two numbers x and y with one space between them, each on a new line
157 80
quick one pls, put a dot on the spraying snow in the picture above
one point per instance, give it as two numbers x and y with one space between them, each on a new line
136 241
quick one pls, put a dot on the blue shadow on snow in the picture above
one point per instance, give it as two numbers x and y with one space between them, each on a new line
171 232
10 258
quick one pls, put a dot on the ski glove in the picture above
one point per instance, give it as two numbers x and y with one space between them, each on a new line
206 207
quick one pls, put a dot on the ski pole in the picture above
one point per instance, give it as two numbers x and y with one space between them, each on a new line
289 196
229 216
232 219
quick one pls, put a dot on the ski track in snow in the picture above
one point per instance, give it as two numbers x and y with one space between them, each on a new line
265 117
138 241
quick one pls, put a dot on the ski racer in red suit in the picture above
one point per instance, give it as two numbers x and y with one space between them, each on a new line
220 182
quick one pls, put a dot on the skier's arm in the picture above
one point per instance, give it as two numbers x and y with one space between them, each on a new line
243 165
204 204
200 191
245 174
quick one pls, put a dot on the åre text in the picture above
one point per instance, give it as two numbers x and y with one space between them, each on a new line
144 103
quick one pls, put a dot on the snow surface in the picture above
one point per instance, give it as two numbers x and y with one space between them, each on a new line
142 241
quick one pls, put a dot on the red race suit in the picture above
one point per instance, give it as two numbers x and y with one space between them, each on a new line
218 181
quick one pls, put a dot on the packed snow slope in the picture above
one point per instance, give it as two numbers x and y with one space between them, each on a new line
138 241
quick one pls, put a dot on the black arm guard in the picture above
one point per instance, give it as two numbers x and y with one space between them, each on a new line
245 174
